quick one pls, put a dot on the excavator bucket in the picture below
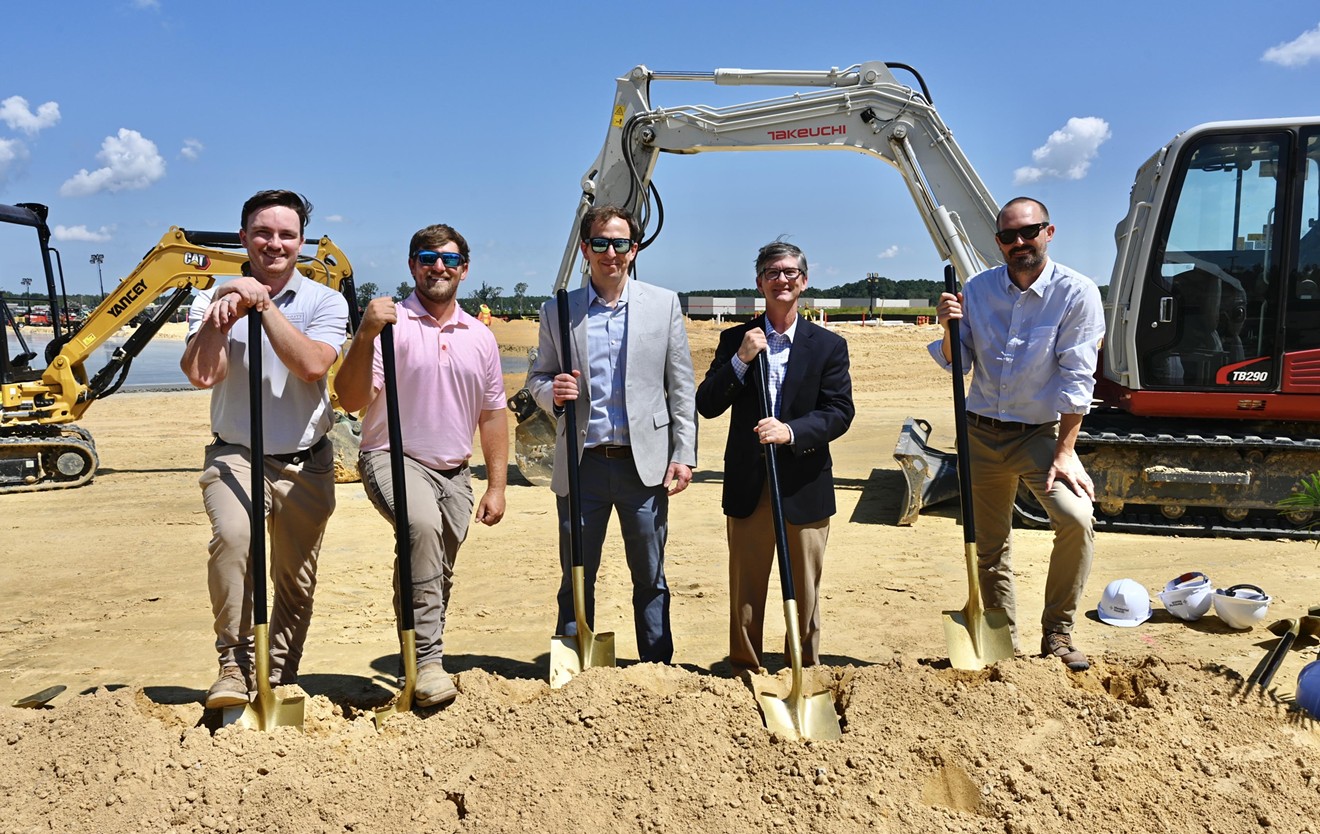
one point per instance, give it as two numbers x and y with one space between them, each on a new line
930 476
535 436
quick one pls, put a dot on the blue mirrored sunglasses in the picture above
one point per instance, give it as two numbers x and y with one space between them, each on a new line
428 258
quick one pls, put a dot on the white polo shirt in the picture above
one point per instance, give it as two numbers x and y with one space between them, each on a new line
296 414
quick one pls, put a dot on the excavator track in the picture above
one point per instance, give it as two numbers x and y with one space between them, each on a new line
1193 477
35 458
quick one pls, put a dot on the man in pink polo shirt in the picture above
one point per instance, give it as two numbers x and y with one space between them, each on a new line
450 386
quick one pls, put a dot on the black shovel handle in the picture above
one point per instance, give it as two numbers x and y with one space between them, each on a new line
960 416
570 433
257 444
402 530
772 479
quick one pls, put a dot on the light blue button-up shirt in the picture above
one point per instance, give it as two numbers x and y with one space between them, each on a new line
1035 351
607 353
778 346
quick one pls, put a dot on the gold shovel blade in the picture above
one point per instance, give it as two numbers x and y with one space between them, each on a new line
403 703
804 716
977 639
567 656
40 699
266 712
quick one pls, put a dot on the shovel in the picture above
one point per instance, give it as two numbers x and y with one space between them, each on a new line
1288 631
40 699
976 636
267 712
402 535
800 715
571 653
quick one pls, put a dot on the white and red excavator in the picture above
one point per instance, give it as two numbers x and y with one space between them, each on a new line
1208 399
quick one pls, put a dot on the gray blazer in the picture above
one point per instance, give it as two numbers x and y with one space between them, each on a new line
659 385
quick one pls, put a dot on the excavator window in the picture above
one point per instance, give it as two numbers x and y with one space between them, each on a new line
1302 323
1214 304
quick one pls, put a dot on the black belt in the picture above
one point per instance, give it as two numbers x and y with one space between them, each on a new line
288 457
449 473
1001 425
611 451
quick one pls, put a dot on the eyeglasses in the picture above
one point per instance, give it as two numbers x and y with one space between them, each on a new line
620 244
791 273
428 258
1008 236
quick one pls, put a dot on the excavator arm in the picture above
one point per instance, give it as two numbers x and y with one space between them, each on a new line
39 446
863 109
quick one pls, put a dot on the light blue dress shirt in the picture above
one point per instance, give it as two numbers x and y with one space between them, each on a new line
607 354
1034 351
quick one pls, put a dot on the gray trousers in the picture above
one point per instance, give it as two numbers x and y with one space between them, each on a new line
439 512
298 502
1000 459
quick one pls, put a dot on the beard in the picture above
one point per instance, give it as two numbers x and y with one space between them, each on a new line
1026 258
438 292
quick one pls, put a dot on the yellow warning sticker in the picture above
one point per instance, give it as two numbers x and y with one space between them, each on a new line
617 121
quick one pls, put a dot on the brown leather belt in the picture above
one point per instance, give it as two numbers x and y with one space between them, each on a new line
1001 425
611 451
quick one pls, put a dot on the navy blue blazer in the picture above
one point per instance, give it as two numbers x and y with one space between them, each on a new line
816 402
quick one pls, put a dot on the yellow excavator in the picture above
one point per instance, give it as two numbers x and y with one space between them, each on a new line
41 447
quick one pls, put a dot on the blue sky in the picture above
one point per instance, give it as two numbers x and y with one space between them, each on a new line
129 116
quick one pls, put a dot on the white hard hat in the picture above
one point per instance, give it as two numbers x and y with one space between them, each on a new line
1187 597
1241 606
1307 695
1125 603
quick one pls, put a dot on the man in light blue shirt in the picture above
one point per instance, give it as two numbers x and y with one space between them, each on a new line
1032 329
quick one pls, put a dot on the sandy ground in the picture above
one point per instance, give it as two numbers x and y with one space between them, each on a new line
103 591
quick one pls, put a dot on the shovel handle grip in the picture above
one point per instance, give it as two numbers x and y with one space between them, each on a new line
257 446
960 416
398 484
570 433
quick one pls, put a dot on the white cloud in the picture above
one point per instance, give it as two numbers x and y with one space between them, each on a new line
19 116
192 148
146 4
334 218
131 162
1067 154
1297 52
101 235
888 253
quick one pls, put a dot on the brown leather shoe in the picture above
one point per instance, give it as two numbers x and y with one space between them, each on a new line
1057 644
229 690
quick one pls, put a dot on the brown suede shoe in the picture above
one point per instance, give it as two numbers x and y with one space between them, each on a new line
229 690
1057 644
434 686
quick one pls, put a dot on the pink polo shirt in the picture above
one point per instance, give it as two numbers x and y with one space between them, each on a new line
448 374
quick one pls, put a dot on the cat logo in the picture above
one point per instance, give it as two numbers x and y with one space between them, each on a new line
198 259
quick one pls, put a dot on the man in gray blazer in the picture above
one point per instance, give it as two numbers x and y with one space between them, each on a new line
636 420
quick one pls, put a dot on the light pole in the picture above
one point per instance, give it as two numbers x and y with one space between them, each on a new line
872 279
98 260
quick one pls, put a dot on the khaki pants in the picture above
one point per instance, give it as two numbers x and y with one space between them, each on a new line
1000 459
439 512
298 502
751 557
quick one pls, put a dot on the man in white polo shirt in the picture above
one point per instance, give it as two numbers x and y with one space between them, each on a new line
304 324
450 387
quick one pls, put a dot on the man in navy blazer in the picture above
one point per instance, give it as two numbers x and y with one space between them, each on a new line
637 425
811 397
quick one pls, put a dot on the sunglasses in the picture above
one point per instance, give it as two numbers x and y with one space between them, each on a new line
428 258
1008 236
620 244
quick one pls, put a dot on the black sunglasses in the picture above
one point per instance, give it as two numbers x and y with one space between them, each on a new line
1008 236
600 244
428 258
